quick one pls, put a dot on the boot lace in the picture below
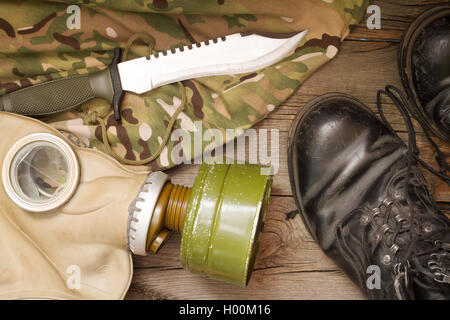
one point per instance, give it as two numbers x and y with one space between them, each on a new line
416 224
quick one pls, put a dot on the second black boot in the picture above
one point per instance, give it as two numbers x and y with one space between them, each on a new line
424 65
365 201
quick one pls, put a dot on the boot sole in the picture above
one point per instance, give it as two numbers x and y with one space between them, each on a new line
404 64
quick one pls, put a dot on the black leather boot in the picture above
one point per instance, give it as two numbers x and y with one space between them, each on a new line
424 65
365 201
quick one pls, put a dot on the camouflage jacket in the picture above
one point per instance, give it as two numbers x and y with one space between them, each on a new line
44 40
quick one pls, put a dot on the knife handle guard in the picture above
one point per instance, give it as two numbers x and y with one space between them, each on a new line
64 94
118 93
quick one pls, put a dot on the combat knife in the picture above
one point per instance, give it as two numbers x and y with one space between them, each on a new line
234 54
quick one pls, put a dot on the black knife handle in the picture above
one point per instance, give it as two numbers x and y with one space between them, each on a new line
64 94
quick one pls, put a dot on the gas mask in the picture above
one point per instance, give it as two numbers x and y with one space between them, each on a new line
71 217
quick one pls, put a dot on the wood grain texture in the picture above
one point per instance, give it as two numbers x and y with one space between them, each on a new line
289 264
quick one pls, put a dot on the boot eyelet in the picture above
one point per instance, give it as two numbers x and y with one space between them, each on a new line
384 228
399 218
387 259
375 212
433 265
394 248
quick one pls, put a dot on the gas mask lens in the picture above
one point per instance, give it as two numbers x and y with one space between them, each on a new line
40 172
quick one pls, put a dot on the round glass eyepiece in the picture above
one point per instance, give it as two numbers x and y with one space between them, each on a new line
40 172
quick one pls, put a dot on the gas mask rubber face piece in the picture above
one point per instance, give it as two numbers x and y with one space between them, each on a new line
70 216
63 216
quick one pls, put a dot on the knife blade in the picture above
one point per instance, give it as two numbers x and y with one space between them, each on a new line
234 54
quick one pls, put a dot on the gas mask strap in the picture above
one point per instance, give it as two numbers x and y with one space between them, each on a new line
95 117
165 139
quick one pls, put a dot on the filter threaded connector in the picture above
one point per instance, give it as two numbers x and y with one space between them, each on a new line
168 214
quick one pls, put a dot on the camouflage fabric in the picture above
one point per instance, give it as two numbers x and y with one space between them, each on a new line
36 45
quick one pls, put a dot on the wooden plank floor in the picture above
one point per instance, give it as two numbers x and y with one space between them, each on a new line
289 264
